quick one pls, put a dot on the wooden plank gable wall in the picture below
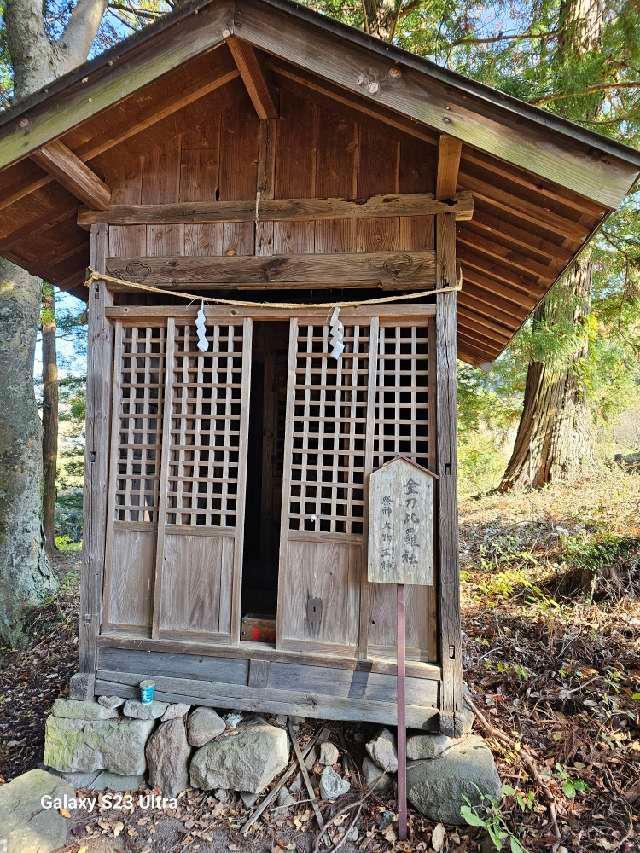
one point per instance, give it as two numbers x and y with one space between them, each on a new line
210 151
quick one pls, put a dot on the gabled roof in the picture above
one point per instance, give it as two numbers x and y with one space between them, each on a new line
541 184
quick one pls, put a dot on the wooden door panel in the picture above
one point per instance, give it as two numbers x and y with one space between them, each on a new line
196 585
323 505
321 606
129 590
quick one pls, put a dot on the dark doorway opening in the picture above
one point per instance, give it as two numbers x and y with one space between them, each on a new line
267 415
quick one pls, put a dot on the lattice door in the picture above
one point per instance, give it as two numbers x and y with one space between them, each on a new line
134 486
344 419
204 456
404 426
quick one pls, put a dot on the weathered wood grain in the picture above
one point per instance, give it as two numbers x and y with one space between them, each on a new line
270 702
253 77
109 642
449 151
428 101
376 269
98 411
74 175
450 640
401 513
294 209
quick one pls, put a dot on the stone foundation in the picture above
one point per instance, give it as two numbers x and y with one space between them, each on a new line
124 745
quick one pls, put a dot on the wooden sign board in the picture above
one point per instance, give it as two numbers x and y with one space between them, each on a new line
401 524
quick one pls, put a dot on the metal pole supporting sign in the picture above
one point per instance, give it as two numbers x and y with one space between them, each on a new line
400 553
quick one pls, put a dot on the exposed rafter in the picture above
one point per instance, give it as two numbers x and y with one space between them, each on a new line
253 77
74 175
449 151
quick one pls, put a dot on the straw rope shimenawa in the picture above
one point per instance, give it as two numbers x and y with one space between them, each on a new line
242 303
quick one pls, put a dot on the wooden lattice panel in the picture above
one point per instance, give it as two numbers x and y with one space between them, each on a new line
139 368
202 481
403 408
329 426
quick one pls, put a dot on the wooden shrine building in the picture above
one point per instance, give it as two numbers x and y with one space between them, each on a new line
257 151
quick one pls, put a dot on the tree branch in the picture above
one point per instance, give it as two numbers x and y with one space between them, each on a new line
588 90
80 32
504 37
138 13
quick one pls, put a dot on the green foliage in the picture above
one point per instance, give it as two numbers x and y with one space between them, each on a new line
596 554
488 815
66 545
570 786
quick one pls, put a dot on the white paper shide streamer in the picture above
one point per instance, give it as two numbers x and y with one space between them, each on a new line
336 334
201 328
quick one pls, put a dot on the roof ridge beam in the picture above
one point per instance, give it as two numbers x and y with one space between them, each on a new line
73 174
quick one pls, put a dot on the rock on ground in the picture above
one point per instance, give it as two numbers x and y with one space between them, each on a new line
374 775
79 709
111 702
329 754
106 781
204 724
428 746
437 787
26 826
140 711
382 750
247 760
79 745
332 785
173 712
168 758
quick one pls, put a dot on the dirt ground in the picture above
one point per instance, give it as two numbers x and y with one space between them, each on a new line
551 618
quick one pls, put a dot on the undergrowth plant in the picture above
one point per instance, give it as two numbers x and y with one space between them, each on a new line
488 815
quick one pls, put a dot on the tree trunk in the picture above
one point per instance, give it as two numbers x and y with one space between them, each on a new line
554 439
25 576
49 415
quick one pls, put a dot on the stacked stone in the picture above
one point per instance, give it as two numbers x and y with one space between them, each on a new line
442 772
113 743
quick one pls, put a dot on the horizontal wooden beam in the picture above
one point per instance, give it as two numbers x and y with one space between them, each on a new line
388 270
418 204
253 77
406 90
266 312
74 175
268 700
